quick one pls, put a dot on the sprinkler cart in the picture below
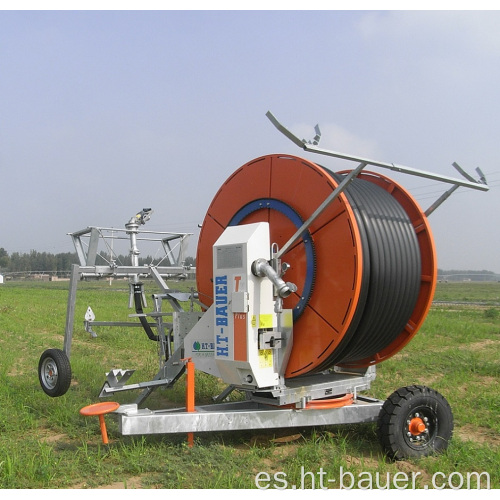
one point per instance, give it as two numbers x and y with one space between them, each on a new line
359 260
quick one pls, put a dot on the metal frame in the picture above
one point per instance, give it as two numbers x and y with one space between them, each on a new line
244 415
299 391
311 146
262 409
281 407
88 252
174 245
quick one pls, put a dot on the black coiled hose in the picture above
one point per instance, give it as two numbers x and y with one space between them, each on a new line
391 273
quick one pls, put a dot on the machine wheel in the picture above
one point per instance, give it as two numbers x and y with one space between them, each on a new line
54 372
415 422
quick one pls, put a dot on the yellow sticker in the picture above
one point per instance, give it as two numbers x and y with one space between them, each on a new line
265 358
254 321
265 321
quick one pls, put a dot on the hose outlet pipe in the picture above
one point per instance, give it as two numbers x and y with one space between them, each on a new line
262 268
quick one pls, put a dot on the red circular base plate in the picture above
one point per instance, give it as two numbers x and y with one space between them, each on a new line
99 408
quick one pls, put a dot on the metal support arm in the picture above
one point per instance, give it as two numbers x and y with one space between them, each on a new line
470 182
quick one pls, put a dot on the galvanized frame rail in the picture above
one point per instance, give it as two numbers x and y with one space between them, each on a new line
311 146
78 272
329 384
95 234
88 268
244 415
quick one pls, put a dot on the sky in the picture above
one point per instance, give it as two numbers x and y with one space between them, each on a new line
103 113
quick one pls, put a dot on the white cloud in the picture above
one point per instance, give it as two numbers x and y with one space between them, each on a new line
475 32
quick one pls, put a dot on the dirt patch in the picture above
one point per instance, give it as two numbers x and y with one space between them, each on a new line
287 439
367 461
413 471
401 355
474 346
479 346
15 372
131 483
277 437
47 435
54 438
486 380
480 435
429 380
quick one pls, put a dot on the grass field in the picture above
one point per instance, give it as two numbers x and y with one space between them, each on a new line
46 443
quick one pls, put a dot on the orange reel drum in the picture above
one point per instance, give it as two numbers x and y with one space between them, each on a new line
329 264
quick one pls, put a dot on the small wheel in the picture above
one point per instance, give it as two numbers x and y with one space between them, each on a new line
54 372
415 422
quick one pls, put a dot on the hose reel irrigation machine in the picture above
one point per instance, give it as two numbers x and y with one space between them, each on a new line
358 258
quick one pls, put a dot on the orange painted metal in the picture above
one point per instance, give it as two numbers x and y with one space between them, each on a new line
100 409
326 404
417 426
240 336
303 186
190 397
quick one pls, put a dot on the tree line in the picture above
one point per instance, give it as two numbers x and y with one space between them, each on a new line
44 262
36 261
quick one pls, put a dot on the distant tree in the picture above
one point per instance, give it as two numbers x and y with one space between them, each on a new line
19 262
190 261
64 261
4 259
42 261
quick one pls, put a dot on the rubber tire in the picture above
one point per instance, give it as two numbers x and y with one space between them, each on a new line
54 372
398 410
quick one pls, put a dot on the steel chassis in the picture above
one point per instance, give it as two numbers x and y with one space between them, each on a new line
244 415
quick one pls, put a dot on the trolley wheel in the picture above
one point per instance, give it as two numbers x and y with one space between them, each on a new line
54 372
415 422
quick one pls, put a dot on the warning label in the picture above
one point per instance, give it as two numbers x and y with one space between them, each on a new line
265 358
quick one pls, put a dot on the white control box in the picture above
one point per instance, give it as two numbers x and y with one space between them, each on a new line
243 308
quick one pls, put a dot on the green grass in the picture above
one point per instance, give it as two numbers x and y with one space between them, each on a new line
46 443
469 291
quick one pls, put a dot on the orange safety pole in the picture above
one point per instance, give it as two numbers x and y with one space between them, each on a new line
190 395
104 432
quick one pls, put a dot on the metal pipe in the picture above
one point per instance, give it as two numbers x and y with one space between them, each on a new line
70 310
440 200
132 228
261 268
